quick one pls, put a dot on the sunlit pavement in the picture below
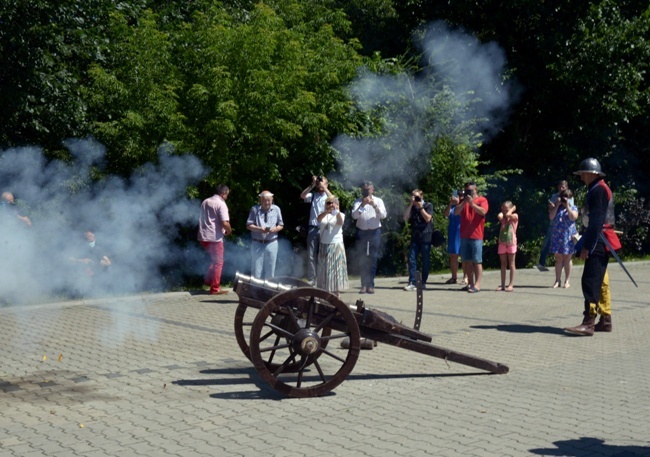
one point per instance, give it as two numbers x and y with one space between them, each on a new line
160 375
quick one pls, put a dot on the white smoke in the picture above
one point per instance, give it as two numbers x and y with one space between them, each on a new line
461 83
135 220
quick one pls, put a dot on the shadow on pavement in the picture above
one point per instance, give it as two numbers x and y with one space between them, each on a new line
522 328
587 447
265 392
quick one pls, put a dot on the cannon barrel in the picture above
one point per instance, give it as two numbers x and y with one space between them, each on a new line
256 292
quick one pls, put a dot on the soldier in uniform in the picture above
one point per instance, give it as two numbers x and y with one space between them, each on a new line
598 223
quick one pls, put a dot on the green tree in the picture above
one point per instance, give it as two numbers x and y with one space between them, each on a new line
133 94
45 48
264 94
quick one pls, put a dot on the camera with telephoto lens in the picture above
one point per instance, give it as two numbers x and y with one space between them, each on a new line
417 198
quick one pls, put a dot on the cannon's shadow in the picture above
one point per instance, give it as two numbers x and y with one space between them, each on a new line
587 447
248 376
522 328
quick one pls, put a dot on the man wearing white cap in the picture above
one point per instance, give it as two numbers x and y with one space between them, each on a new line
264 221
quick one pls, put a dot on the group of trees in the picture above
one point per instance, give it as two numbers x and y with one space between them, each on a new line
259 91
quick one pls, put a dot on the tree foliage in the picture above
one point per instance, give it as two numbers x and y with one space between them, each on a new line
258 90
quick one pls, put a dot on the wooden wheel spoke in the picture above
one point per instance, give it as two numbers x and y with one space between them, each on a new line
266 335
310 312
272 355
286 363
292 316
276 347
280 330
303 365
334 356
320 371
324 322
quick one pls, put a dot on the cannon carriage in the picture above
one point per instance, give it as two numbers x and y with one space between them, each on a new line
292 339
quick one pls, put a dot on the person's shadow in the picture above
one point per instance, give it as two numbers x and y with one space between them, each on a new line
522 328
587 447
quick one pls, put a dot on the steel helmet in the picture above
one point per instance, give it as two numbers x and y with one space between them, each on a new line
590 165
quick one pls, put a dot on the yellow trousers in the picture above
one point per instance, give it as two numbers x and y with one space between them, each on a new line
604 305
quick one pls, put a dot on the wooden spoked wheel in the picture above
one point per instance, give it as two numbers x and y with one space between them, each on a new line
299 318
243 324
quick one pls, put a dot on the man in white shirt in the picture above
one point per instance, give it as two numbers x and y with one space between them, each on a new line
368 211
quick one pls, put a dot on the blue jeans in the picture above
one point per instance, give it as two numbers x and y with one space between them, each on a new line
369 248
313 243
425 250
263 258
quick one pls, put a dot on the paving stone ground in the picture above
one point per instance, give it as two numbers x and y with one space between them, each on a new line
162 375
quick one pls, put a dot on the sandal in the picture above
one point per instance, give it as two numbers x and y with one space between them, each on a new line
452 281
500 289
510 288
473 290
465 289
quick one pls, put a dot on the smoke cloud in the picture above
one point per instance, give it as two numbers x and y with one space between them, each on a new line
461 84
135 221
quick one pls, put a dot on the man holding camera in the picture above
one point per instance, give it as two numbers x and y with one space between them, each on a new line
317 200
368 211
420 215
472 209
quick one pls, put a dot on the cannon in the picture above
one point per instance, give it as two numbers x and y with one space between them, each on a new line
290 338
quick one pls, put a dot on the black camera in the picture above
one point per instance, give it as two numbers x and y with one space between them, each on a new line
319 179
417 198
564 200
365 193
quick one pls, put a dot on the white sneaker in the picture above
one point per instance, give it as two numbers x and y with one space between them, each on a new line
541 267
410 287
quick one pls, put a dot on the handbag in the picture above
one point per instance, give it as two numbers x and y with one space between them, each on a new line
437 238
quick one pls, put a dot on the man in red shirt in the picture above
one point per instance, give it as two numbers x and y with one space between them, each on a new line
472 209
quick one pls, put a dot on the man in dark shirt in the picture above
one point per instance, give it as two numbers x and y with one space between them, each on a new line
420 215
598 218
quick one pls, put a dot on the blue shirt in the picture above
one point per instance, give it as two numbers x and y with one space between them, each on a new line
271 218
317 201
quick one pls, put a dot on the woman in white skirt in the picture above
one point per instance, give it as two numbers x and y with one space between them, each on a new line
332 264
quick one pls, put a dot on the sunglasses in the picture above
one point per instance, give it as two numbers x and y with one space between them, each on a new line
329 203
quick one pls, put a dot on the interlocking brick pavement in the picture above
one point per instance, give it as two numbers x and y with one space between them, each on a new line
162 375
